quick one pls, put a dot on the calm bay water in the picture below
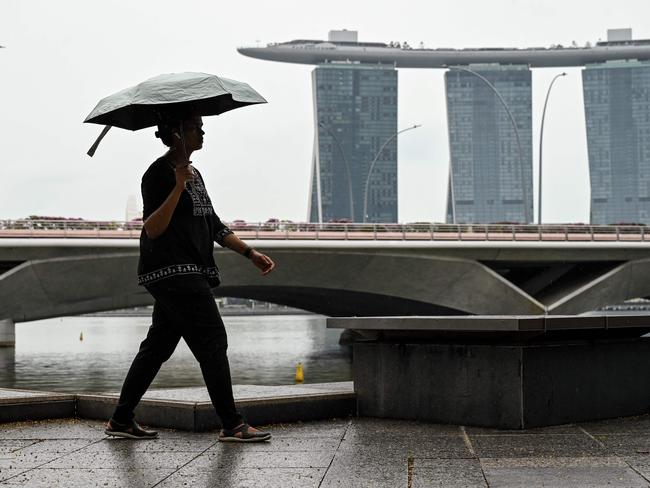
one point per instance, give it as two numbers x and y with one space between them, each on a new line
263 350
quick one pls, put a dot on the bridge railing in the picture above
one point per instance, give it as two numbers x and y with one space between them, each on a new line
423 231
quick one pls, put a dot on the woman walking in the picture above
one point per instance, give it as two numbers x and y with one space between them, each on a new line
177 268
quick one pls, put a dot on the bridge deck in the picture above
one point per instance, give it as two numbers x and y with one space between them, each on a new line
324 235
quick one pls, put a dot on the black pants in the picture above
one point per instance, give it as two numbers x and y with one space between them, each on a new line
190 313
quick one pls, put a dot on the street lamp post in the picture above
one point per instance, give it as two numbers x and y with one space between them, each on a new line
347 168
527 215
372 166
541 139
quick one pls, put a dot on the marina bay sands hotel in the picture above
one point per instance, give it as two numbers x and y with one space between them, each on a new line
489 114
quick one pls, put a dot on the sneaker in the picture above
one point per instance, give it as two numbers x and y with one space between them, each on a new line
130 431
242 433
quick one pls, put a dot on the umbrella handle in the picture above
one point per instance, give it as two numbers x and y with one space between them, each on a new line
103 133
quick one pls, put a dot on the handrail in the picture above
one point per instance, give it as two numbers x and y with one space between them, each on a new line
344 231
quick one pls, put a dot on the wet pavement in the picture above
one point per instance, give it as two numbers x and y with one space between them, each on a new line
355 452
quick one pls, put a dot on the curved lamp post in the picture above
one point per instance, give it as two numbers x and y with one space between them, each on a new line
372 166
347 167
541 139
524 190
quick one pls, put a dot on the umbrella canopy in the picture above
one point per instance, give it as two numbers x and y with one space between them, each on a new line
156 99
170 96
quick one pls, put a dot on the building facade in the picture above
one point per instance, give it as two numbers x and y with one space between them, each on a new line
487 183
617 115
355 113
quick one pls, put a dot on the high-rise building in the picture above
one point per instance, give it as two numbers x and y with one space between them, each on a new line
355 111
133 210
617 114
486 181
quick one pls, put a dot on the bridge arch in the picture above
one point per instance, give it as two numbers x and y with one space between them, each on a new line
334 282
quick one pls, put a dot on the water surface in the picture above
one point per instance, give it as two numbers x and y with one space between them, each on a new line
263 350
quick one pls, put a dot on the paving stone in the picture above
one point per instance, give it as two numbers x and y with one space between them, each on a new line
554 462
237 476
238 454
637 443
442 446
372 426
519 445
640 463
327 428
162 444
36 454
54 429
89 478
173 434
9 472
560 472
9 446
56 446
368 456
121 459
381 475
21 460
289 444
447 473
554 429
627 425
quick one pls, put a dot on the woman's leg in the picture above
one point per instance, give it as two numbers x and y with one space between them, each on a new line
198 318
160 343
209 345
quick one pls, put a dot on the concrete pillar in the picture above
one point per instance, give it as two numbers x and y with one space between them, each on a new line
7 333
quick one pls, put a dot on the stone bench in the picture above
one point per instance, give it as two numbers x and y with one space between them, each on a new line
501 371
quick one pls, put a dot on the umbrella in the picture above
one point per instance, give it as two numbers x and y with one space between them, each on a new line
157 99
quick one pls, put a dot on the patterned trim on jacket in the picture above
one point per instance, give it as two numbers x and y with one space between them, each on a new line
177 269
221 235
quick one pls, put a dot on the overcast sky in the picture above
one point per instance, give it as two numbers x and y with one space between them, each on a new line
62 56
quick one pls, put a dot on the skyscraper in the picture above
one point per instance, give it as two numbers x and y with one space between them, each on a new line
133 210
617 113
486 182
355 113
491 177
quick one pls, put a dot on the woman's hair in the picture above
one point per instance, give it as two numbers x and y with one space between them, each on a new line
170 122
165 132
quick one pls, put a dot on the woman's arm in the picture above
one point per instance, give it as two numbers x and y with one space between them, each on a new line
262 261
157 223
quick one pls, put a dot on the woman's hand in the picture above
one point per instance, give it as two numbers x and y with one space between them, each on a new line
262 261
183 175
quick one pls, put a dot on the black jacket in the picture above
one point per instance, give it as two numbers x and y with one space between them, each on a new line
184 251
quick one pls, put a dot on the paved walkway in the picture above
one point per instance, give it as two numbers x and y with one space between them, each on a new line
337 453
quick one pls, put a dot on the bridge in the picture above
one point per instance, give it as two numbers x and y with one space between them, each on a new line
58 268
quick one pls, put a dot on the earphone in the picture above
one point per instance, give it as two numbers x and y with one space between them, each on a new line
177 136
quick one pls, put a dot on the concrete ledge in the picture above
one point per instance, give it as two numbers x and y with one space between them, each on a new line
16 405
188 408
496 328
48 409
161 413
282 409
